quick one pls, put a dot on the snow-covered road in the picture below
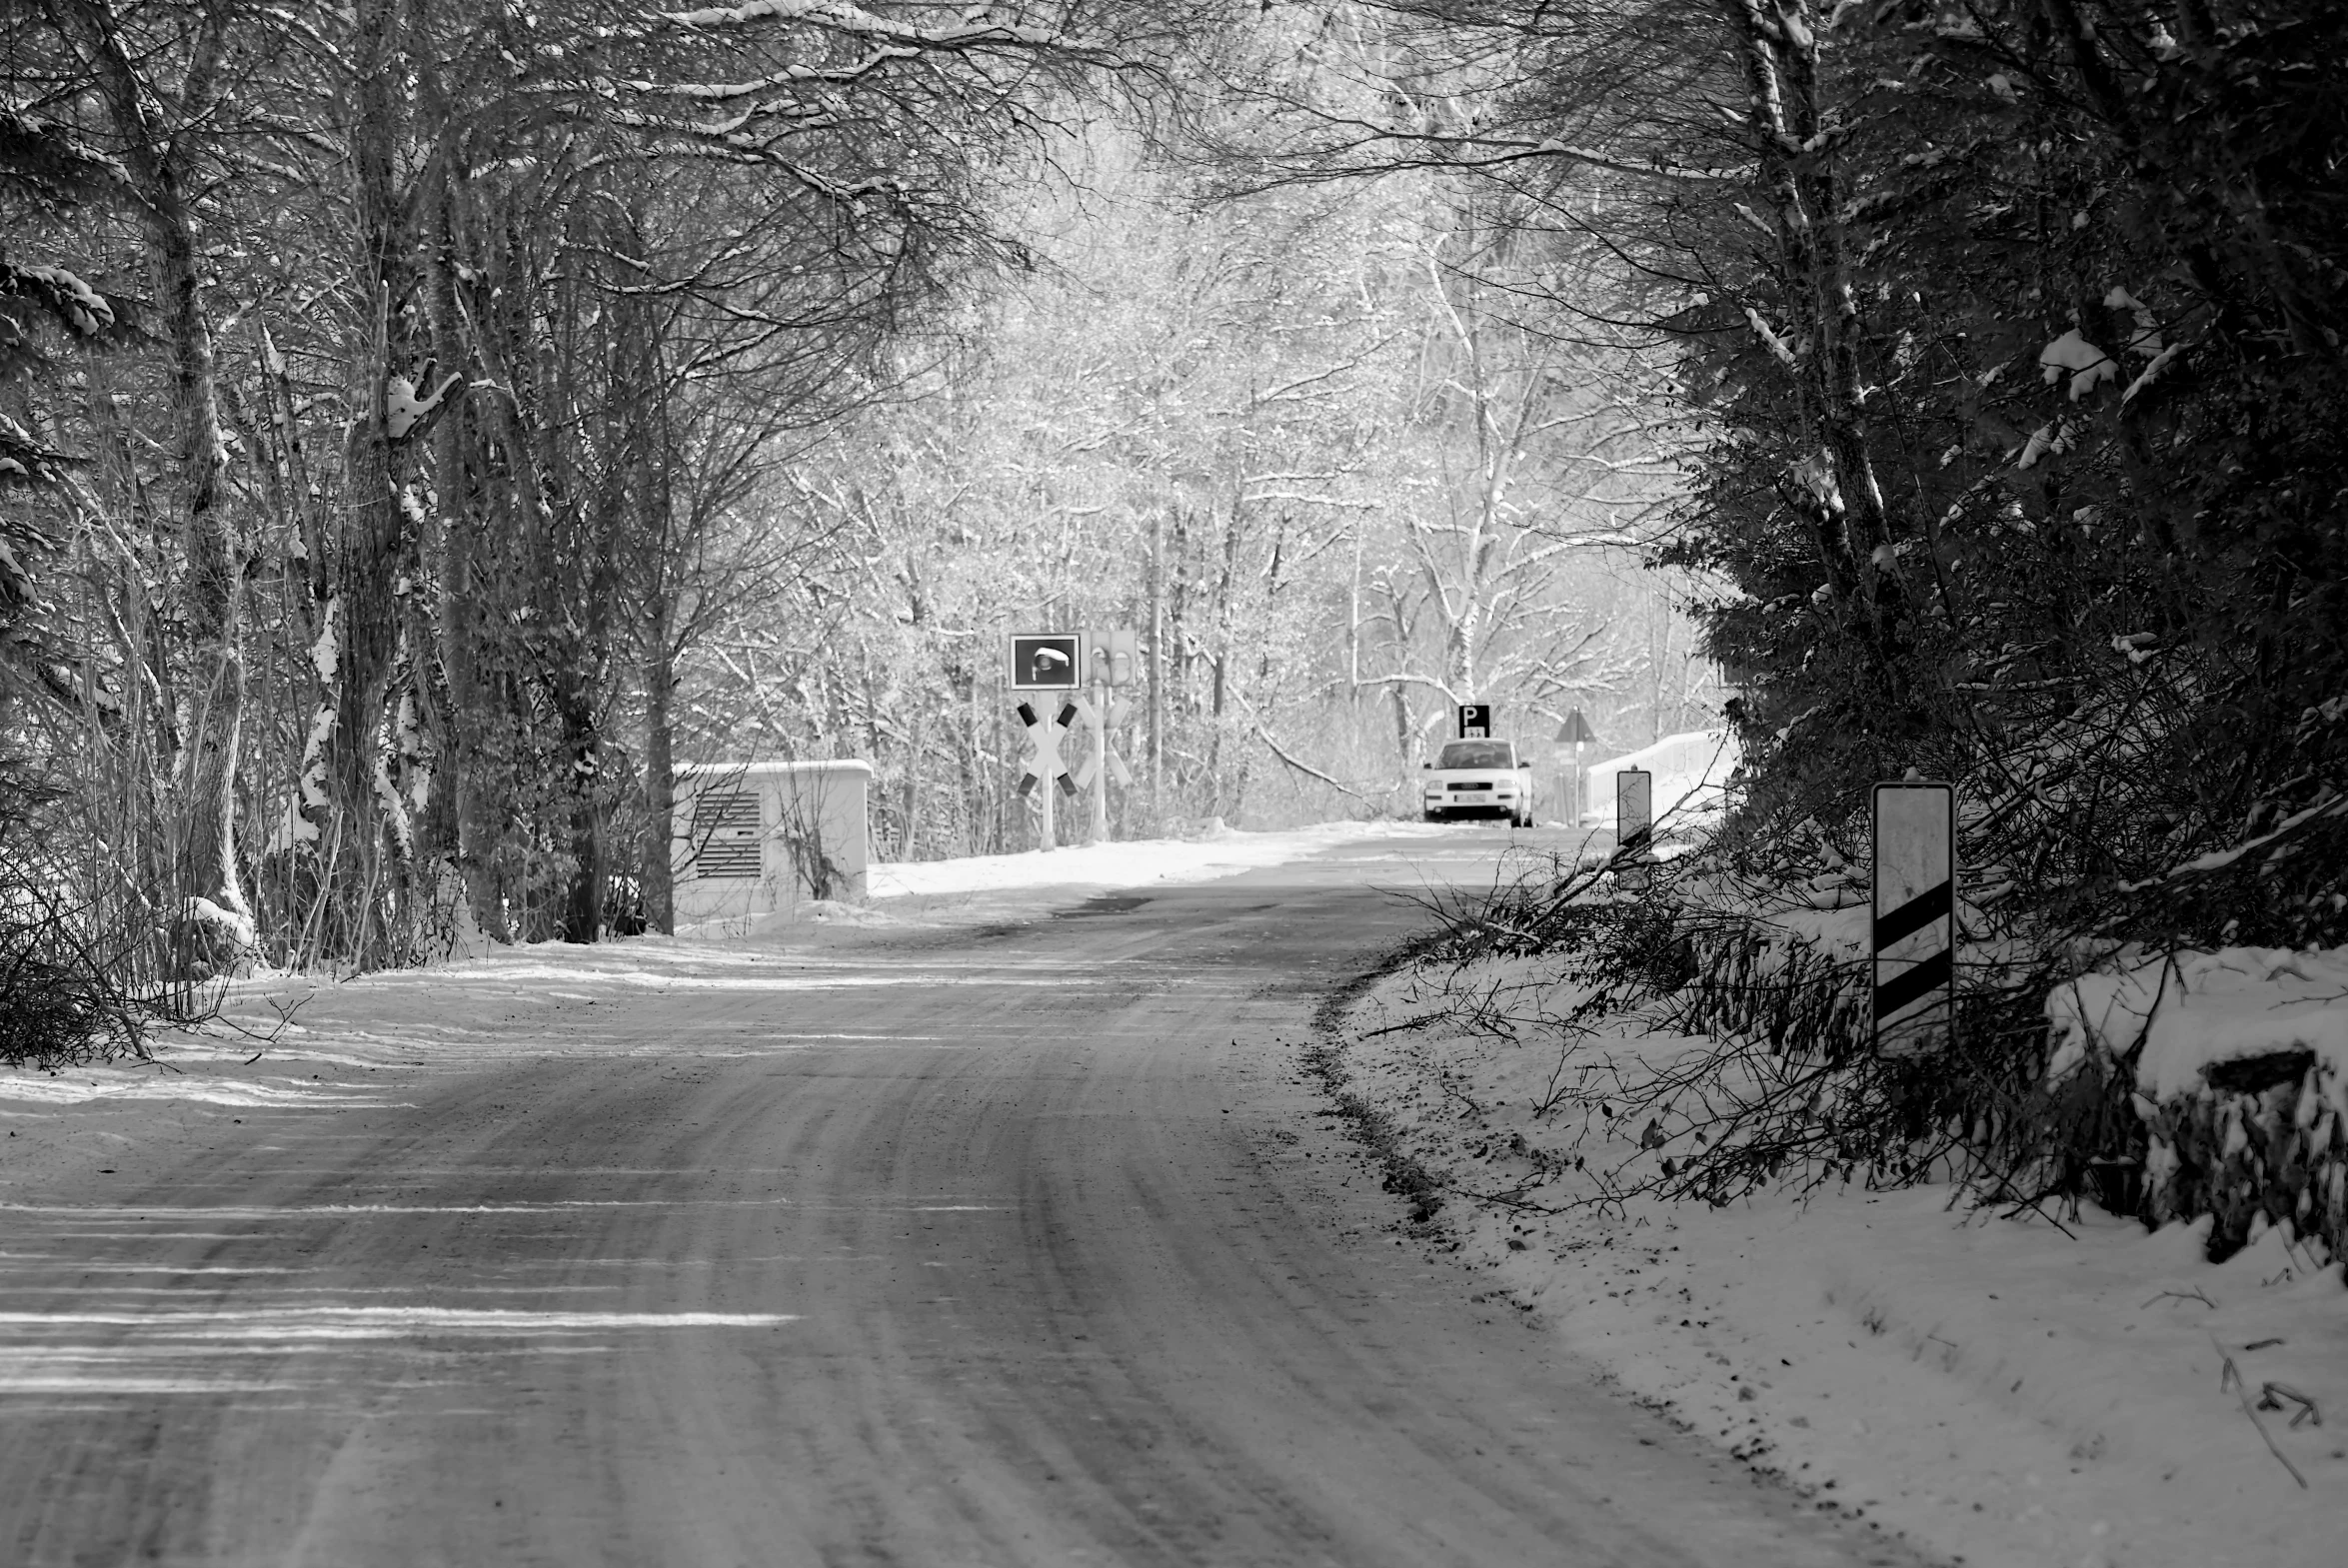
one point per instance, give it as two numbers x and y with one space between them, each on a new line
1011 1242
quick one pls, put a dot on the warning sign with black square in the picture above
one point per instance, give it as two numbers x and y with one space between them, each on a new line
1046 662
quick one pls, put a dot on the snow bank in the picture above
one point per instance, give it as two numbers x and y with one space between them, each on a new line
2003 1392
2191 1010
1216 852
1012 885
2239 1064
1691 776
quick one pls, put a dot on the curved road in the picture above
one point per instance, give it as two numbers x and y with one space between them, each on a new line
1018 1245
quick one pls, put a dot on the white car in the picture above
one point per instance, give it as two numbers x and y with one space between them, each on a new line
1478 778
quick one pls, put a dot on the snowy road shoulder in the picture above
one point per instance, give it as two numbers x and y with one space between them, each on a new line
981 889
1996 1391
293 1046
1218 851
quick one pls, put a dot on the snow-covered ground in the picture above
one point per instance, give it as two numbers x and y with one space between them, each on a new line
1999 1391
292 1042
1215 852
977 888
1996 1389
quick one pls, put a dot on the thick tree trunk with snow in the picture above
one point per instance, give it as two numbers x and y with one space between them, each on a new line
376 558
454 555
154 161
582 889
1797 143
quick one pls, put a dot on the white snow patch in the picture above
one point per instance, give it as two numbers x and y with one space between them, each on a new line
1223 853
1776 345
1691 771
2088 365
326 652
1992 1388
234 924
83 1086
2192 1010
86 312
2145 377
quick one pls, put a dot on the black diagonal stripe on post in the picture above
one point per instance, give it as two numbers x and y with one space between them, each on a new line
1912 917
1925 977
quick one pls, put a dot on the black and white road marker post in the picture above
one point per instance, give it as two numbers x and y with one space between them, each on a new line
1634 826
1915 917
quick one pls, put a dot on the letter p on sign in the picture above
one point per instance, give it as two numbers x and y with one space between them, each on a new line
1915 917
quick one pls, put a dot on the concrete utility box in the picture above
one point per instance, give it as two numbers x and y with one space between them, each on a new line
761 838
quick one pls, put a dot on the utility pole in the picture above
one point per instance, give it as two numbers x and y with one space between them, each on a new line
1156 664
1100 691
1051 788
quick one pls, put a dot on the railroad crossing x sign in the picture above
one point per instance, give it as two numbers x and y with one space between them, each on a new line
1117 713
1042 758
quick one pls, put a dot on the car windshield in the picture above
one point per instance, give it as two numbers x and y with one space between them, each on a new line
1477 753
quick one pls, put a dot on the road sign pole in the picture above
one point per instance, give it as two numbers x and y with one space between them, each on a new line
1050 789
1100 762
1575 731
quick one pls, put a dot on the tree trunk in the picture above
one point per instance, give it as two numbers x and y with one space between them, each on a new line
1658 653
377 538
460 515
660 779
1780 49
583 892
1157 695
213 604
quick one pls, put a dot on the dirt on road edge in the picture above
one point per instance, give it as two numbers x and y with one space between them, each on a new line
1324 1057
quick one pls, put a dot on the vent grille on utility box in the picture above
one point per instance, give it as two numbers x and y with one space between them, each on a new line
725 834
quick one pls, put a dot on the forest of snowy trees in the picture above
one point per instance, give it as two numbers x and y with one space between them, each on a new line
425 423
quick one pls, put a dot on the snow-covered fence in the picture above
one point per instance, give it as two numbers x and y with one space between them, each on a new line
1691 777
759 838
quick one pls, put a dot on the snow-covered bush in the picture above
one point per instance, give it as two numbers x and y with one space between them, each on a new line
2261 1146
1754 949
2235 1063
81 979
